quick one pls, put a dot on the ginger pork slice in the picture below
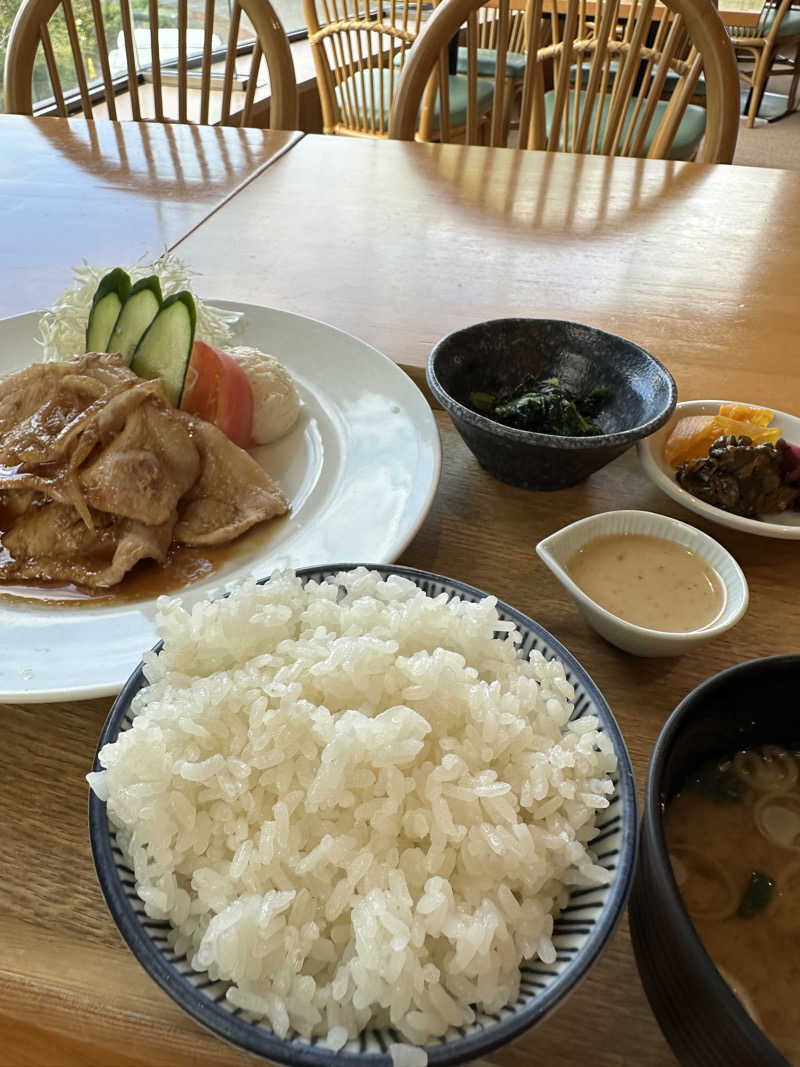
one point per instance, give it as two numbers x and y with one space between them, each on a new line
232 494
45 406
145 468
51 542
98 471
92 434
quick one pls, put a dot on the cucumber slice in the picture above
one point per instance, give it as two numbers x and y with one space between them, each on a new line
166 347
138 311
110 295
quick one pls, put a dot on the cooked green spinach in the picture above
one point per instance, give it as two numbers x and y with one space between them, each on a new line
543 405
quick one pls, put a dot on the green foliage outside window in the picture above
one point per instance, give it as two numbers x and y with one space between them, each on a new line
87 35
290 12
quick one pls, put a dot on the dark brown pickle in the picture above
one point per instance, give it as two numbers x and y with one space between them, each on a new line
739 477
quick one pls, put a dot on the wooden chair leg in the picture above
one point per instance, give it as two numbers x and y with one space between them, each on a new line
791 103
760 72
510 90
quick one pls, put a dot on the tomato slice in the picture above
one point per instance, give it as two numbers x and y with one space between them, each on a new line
218 390
202 382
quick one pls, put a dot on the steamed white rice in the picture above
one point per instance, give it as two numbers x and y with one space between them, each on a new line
360 808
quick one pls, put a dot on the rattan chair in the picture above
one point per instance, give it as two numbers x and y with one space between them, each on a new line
489 31
190 72
771 47
359 47
624 106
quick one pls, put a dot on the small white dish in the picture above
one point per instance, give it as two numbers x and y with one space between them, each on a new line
557 549
784 524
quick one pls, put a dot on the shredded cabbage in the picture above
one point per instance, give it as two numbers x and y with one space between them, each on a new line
62 328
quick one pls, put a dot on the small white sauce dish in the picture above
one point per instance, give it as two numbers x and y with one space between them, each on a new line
557 549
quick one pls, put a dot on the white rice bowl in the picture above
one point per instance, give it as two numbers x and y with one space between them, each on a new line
356 803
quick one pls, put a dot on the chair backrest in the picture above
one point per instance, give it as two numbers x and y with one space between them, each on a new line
769 23
359 47
96 59
490 28
611 77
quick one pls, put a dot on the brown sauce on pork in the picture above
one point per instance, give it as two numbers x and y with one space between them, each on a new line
103 483
185 566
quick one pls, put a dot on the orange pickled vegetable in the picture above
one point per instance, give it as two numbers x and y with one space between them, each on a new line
745 413
693 435
686 431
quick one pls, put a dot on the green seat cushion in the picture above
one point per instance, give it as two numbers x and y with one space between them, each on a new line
352 90
670 82
790 23
487 63
690 132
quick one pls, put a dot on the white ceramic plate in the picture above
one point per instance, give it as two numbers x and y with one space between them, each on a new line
360 470
785 524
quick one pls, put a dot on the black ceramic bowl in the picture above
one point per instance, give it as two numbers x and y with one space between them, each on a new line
493 357
706 1025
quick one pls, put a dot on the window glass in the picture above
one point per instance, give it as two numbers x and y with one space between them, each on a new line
289 11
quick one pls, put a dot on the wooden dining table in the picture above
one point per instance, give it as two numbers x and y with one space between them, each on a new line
732 12
74 190
400 244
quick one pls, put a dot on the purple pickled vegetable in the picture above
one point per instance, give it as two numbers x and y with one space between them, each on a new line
790 468
790 462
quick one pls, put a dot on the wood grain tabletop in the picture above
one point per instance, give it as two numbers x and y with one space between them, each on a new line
400 244
64 970
732 12
110 192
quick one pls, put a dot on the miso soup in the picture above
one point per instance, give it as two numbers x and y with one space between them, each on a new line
733 833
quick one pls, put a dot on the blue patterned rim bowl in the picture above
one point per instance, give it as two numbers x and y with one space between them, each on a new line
494 357
580 932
